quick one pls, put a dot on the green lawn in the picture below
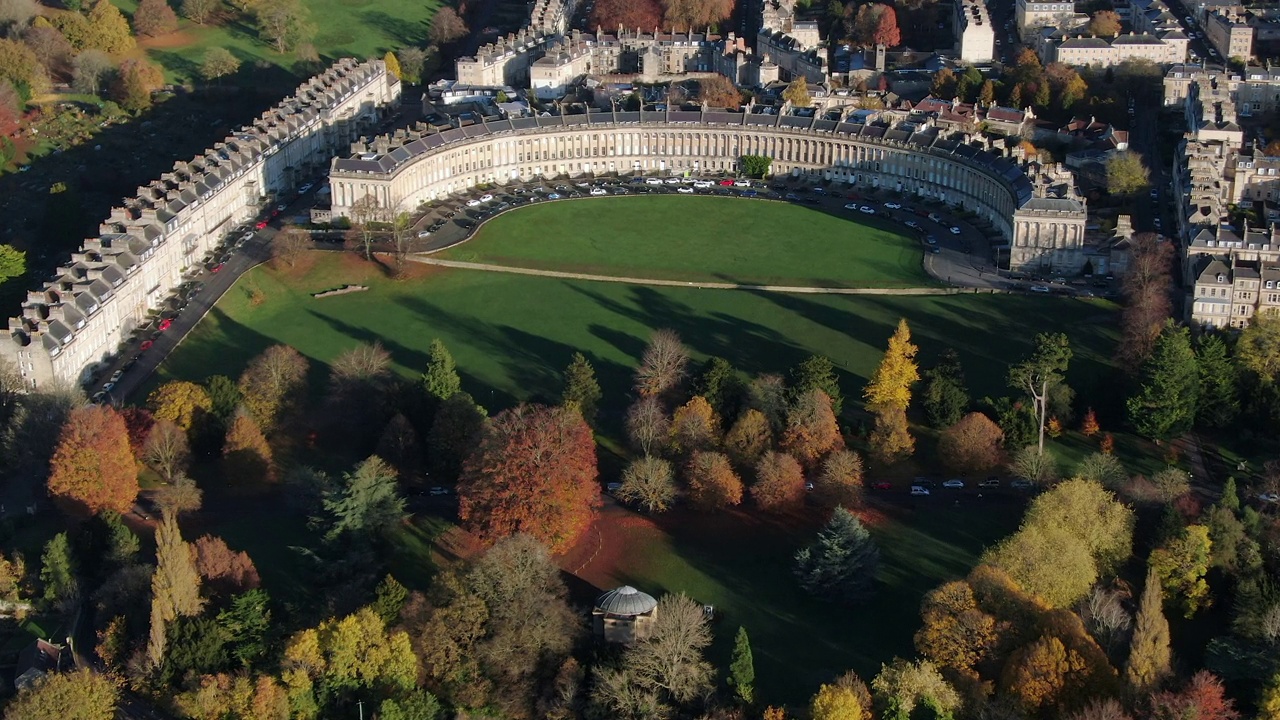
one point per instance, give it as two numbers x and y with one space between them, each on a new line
359 28
512 335
798 641
701 238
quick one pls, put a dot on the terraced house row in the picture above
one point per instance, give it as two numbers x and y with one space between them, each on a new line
81 316
397 172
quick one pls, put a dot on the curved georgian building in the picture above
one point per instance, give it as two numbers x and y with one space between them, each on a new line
401 171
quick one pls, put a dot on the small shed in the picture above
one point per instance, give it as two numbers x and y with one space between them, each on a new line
624 615
37 660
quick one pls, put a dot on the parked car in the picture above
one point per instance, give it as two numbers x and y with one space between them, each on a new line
955 230
165 324
1039 289
115 376
991 482
918 490
108 387
882 486
1020 484
893 206
726 183
1269 497
931 239
867 210
954 484
99 397
653 181
473 203
553 196
613 487
601 191
438 490
486 198
685 190
703 184
260 225
848 206
306 188
424 233
742 183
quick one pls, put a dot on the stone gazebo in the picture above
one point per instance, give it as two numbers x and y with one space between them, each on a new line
624 615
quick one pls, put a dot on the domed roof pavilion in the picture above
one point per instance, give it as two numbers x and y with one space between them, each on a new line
624 615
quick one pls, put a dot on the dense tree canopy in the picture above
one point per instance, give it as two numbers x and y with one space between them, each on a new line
841 563
93 467
534 471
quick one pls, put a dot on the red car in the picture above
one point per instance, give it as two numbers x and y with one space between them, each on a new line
164 324
261 224
213 269
882 486
146 344
726 183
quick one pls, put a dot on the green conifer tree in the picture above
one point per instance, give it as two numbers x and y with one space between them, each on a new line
1149 655
441 380
742 669
1165 404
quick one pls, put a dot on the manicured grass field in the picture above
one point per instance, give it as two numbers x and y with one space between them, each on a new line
358 28
701 238
742 564
512 335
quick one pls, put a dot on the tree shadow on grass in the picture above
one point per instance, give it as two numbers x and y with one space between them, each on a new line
400 32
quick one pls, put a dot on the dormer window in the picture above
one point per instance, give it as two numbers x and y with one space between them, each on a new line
1222 278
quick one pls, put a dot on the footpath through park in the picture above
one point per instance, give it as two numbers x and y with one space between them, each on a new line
792 289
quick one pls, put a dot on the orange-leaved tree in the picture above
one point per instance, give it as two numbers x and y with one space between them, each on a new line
712 482
811 430
182 403
246 456
93 467
971 445
779 482
534 471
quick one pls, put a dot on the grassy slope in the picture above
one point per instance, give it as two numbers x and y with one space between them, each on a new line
701 238
799 641
512 335
360 28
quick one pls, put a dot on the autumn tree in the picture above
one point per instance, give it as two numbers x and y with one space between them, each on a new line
779 482
626 14
182 403
1203 698
154 18
166 450
283 23
271 383
1041 373
1127 174
360 380
1039 468
838 701
712 483
440 380
888 395
1104 24
663 366
662 672
108 30
175 587
748 439
447 26
228 572
797 92
648 426
77 695
1049 562
135 81
199 11
1147 301
246 456
903 686
1037 675
366 503
971 445
400 446
690 14
811 431
718 91
351 653
1258 349
944 83
221 695
945 396
841 563
1181 564
694 426
288 245
886 29
839 481
581 387
1092 514
955 633
181 495
1149 655
533 471
93 469
648 482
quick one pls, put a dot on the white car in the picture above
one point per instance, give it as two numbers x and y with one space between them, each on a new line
486 198
955 230
867 210
424 233
1039 289
851 206
653 181
703 184
1269 497
893 206
246 237
306 188
685 190
954 484
599 191
918 490
673 181
742 183
473 203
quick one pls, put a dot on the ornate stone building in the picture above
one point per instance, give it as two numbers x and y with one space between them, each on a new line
915 158
82 315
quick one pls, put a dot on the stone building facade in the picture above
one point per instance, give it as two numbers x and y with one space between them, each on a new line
975 35
915 158
1165 49
80 316
1031 15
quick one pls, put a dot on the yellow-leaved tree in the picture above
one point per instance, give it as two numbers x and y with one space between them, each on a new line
888 395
